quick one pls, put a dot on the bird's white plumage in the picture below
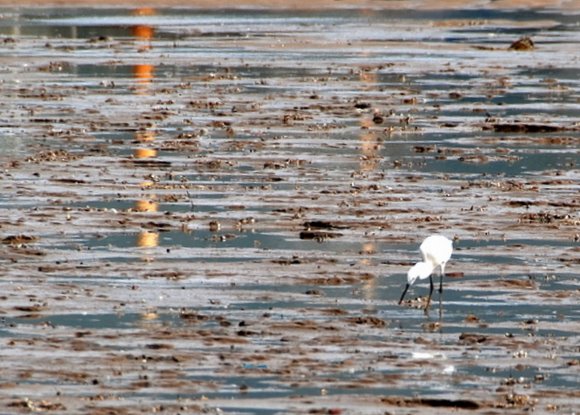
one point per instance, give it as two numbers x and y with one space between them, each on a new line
420 270
436 251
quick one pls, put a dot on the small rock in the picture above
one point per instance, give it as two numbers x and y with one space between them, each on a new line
214 226
523 43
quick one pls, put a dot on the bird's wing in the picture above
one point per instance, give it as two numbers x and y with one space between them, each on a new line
436 249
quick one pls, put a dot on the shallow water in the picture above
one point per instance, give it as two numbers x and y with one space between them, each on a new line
167 167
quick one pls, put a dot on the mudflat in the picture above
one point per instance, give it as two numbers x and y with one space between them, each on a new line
210 211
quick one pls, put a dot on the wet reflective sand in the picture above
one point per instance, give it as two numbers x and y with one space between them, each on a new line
207 210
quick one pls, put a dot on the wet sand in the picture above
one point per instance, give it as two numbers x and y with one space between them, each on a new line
216 213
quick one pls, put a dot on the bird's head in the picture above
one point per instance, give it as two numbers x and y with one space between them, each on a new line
420 270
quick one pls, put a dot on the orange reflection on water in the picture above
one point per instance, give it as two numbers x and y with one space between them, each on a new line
149 315
144 137
145 11
369 289
146 206
144 153
370 146
144 72
368 77
144 75
369 248
144 32
147 239
369 286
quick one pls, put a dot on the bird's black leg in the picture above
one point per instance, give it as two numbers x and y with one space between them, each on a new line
441 293
430 293
404 292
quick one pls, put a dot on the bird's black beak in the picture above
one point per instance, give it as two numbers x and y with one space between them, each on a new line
404 292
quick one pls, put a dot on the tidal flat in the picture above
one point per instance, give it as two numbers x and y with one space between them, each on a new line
210 210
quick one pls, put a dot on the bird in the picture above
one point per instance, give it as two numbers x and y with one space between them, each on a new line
436 251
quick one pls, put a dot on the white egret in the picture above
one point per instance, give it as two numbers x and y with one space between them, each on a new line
436 251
